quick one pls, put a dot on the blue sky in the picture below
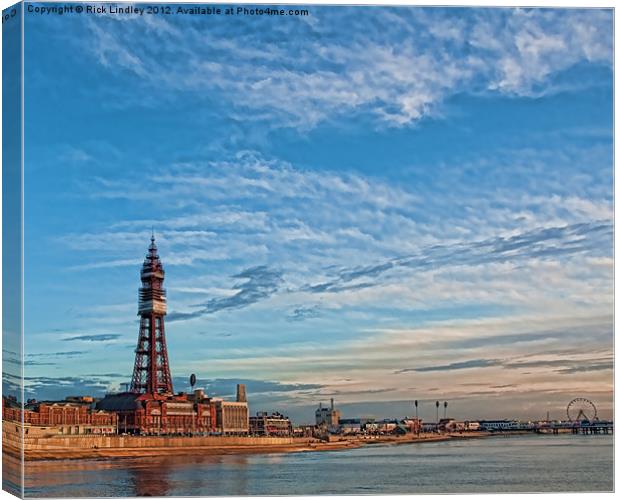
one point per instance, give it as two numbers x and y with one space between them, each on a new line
373 204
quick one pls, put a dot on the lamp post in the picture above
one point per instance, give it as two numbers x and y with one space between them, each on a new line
445 408
194 414
437 416
417 421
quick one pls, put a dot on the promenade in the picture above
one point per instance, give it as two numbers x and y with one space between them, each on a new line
84 446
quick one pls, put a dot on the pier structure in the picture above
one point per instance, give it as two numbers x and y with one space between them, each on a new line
551 427
585 427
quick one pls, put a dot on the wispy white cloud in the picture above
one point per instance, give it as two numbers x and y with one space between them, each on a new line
399 64
358 233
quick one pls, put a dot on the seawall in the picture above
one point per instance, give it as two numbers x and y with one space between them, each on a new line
81 446
115 446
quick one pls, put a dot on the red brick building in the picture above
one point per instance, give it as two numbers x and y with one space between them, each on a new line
150 414
66 417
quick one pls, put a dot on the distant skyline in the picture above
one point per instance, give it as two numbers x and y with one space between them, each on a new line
372 204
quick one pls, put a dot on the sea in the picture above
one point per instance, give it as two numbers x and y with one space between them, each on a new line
498 464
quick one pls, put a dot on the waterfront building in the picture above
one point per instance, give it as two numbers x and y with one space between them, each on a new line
429 427
471 426
232 417
499 425
358 425
351 425
49 418
447 425
327 417
387 425
452 425
304 431
371 427
174 414
414 425
274 424
460 426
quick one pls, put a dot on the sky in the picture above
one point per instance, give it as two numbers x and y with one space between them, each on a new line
366 203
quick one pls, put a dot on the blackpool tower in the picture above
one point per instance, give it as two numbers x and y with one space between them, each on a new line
151 372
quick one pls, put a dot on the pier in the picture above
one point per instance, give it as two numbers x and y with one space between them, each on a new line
584 427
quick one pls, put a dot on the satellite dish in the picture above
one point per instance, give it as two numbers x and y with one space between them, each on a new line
192 380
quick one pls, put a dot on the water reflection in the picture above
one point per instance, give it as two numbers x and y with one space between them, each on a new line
146 476
526 464
194 476
11 474
150 481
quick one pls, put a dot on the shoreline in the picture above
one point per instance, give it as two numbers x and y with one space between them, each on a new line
274 474
54 453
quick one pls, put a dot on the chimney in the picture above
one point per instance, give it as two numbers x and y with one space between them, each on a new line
241 397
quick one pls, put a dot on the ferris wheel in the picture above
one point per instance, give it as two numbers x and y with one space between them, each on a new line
581 409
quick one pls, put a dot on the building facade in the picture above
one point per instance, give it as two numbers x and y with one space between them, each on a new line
60 417
143 414
232 417
275 424
327 417
414 425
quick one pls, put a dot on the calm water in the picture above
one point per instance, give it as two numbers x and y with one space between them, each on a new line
498 464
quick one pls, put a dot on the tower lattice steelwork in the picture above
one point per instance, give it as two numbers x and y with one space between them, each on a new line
151 372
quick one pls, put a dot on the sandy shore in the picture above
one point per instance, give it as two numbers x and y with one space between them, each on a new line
58 453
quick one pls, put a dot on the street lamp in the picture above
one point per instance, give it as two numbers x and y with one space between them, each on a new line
445 408
417 421
437 416
192 383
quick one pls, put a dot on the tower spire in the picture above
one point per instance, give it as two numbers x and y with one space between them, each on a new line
151 373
